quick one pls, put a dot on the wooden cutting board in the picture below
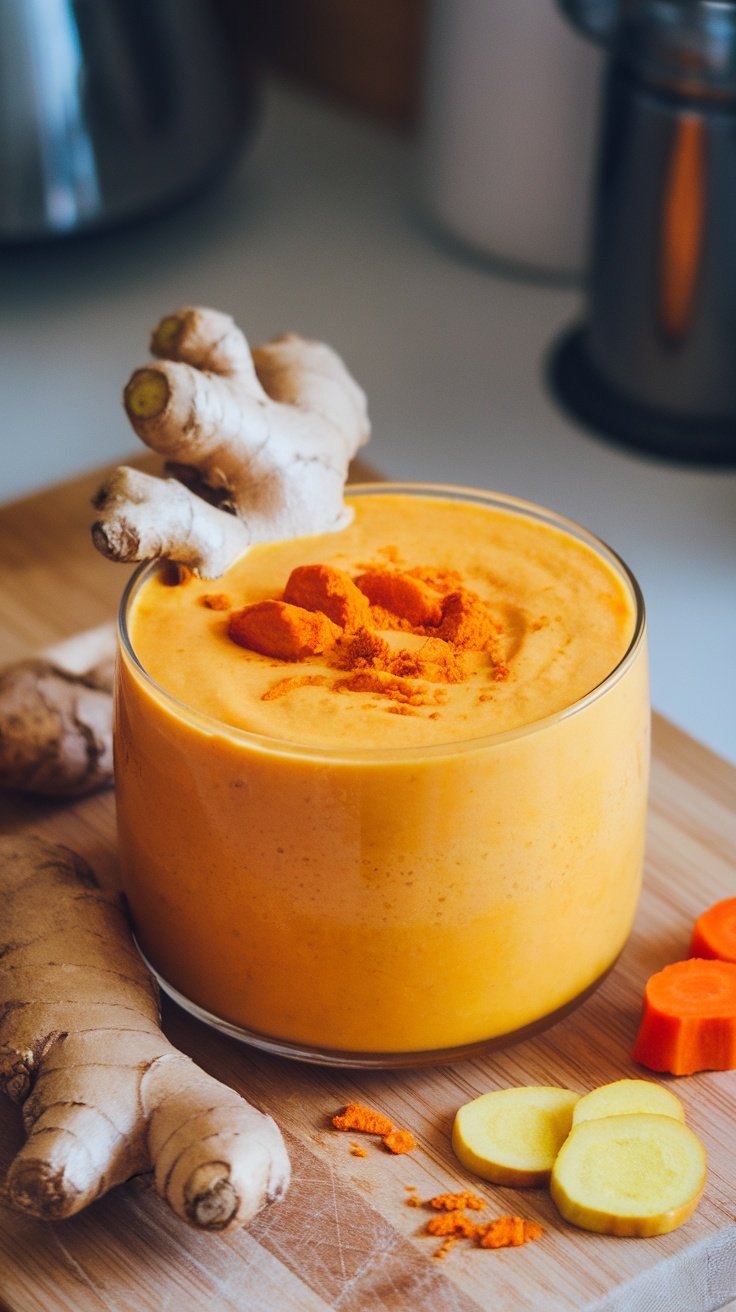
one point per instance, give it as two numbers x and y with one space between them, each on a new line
344 1238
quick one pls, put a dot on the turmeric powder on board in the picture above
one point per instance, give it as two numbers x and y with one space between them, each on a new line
508 1232
451 1202
453 1223
399 1141
355 1116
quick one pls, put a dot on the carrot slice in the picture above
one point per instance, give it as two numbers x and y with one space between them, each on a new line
714 932
689 1018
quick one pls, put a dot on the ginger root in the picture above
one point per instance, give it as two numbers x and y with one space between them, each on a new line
56 717
105 1095
266 434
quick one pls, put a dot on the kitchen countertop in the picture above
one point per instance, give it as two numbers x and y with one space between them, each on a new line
318 229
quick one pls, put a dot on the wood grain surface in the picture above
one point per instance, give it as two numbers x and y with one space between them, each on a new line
344 1237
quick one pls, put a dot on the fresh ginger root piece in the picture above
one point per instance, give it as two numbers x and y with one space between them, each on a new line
636 1175
512 1136
56 717
105 1095
269 432
625 1097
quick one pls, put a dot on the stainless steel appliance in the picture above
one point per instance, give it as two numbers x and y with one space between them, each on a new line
112 108
654 362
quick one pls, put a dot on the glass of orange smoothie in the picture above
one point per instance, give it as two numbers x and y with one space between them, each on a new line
422 840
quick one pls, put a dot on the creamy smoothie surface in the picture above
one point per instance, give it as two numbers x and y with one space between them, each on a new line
560 619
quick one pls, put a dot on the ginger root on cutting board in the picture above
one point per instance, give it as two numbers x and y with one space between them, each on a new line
105 1095
260 442
267 435
56 717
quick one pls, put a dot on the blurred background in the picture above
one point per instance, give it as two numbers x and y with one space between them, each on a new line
513 218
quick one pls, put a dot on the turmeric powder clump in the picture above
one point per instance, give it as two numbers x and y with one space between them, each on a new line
402 595
354 1116
275 628
331 591
467 622
399 1141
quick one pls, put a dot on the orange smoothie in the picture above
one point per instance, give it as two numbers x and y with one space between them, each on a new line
343 864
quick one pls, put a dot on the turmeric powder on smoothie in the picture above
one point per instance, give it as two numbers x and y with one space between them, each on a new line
325 611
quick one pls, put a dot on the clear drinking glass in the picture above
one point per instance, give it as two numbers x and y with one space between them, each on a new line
384 907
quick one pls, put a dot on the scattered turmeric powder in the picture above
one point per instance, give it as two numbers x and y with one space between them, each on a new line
358 1151
441 1253
354 1116
436 661
442 580
508 1232
452 1223
363 649
399 1141
383 685
451 1202
293 681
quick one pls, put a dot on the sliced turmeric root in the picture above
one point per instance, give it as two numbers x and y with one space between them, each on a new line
625 1098
714 932
689 1018
636 1175
512 1136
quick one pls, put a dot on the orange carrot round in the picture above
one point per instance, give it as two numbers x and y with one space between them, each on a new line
714 932
689 1018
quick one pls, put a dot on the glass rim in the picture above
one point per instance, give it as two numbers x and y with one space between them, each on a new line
455 747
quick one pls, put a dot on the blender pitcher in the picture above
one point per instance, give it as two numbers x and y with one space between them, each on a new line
654 363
